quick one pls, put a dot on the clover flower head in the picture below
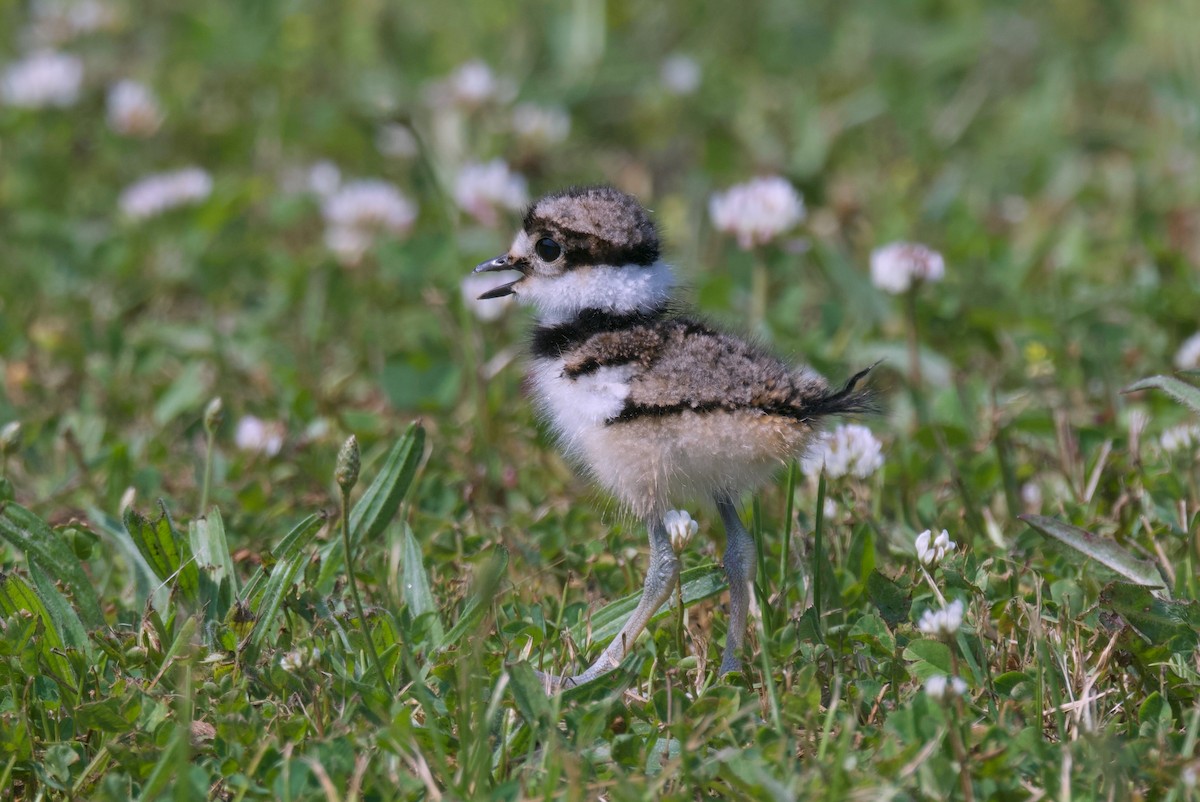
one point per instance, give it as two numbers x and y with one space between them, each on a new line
133 109
849 449
896 267
680 74
161 192
257 436
932 550
540 125
943 622
939 686
482 190
757 211
358 211
680 529
476 284
42 79
1188 355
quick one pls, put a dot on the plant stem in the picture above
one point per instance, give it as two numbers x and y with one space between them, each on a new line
358 608
819 548
208 468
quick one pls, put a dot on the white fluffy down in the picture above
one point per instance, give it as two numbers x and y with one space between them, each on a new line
630 288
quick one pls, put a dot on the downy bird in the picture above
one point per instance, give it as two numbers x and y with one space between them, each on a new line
654 405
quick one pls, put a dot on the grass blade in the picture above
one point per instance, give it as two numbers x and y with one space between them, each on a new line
698 584
282 576
1181 391
1103 551
44 547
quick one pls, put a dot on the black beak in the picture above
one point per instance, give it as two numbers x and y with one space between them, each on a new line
502 262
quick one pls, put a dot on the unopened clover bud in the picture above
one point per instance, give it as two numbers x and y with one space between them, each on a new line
347 465
214 413
680 529
10 435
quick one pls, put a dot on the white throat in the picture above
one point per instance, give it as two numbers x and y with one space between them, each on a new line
618 290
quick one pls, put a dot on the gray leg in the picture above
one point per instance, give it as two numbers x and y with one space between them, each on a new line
741 562
660 581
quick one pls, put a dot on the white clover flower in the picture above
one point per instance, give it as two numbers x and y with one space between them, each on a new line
757 211
1188 355
59 21
680 74
323 178
829 509
470 86
133 109
848 449
45 78
939 686
680 529
483 189
476 284
161 192
1031 496
359 211
932 550
896 267
1179 438
943 622
540 125
396 141
297 659
259 436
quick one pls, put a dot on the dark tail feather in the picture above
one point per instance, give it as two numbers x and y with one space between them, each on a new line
850 400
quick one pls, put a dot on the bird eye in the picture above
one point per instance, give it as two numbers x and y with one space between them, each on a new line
548 250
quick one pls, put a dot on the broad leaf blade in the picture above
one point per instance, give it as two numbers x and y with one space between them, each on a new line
282 576
1173 624
418 594
1102 550
603 625
165 550
52 554
1181 391
378 505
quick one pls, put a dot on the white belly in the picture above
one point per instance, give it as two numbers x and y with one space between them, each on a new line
577 408
652 463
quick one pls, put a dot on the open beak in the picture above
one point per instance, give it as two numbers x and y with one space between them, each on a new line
502 262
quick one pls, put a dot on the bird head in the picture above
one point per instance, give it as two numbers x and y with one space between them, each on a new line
585 248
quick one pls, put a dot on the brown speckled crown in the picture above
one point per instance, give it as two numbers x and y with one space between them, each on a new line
595 226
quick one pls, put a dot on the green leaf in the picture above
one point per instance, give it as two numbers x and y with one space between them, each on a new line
1162 622
66 620
378 505
603 625
930 658
188 391
283 575
418 595
1181 391
892 600
487 581
165 550
206 537
292 544
528 694
45 547
16 594
1103 551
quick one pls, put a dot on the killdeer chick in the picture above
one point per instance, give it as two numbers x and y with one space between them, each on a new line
656 406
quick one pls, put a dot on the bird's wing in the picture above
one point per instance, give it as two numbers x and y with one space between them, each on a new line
696 368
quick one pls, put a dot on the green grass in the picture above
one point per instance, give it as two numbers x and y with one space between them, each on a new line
208 646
